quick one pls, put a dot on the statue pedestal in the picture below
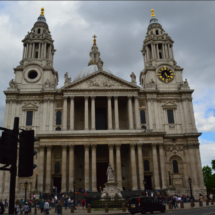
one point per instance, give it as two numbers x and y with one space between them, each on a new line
111 190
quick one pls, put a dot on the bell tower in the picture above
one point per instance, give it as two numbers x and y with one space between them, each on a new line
36 71
94 54
160 68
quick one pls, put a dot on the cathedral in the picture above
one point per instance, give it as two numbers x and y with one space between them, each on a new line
146 132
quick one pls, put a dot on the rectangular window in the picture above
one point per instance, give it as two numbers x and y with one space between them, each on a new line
29 118
170 116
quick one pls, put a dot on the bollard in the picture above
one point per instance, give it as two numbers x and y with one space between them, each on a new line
169 205
72 208
207 202
200 203
123 207
88 208
192 203
106 208
35 210
212 202
182 204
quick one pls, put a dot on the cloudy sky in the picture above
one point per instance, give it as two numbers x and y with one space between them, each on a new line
120 28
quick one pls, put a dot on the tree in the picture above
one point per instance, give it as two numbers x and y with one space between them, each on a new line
207 173
213 164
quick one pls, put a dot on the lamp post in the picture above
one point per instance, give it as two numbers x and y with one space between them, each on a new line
190 182
144 184
170 184
74 184
26 186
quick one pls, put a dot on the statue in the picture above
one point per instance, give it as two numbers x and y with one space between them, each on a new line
110 173
13 84
133 78
100 65
118 193
67 79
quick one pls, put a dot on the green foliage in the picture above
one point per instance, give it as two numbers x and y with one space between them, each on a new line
209 178
213 164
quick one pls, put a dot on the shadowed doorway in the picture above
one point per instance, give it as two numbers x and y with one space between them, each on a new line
57 183
101 169
101 119
148 180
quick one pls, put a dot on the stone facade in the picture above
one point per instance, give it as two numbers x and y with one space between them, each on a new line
71 146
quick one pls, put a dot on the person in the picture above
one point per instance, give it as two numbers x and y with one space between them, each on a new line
17 208
82 203
52 203
201 199
69 202
26 208
1 208
79 202
173 203
164 200
42 205
59 208
47 207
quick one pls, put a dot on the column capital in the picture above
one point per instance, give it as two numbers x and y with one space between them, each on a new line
129 97
71 146
136 97
86 146
154 144
93 97
93 146
64 146
116 97
110 145
65 97
109 97
71 97
140 143
86 97
118 145
48 146
132 144
42 146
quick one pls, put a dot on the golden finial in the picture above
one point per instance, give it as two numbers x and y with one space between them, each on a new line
42 11
94 39
153 14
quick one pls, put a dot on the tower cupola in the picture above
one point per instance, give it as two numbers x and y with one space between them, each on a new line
94 54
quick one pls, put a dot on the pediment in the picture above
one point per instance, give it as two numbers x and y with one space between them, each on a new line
169 105
29 106
100 80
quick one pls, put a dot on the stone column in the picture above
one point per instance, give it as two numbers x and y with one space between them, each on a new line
152 49
168 48
64 168
118 165
140 165
185 110
39 52
1 179
51 116
133 167
65 113
45 50
45 104
137 112
190 104
26 52
7 183
13 112
193 169
199 166
111 157
163 167
33 50
30 50
163 51
109 114
149 101
23 54
94 176
172 53
144 59
158 56
130 113
6 113
42 50
41 169
86 167
116 112
155 166
93 127
48 168
72 109
86 113
71 166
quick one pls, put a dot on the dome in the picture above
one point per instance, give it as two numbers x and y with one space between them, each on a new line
89 70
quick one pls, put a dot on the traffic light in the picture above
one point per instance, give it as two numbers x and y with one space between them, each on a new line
26 153
8 147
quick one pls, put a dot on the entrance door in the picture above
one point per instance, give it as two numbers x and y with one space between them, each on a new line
101 169
148 180
57 183
101 119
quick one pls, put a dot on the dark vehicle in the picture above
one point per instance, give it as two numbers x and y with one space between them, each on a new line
144 204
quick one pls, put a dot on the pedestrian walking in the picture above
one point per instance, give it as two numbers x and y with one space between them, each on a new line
59 208
42 205
1 208
26 208
82 203
17 208
47 207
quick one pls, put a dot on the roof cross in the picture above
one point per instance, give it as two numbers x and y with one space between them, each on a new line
94 39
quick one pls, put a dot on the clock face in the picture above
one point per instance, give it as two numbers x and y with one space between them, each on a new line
165 74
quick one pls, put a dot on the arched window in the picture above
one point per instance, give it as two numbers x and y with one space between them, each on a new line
156 32
146 165
57 167
142 117
58 118
175 166
38 31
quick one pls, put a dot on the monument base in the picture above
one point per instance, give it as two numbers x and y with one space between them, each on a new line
111 190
